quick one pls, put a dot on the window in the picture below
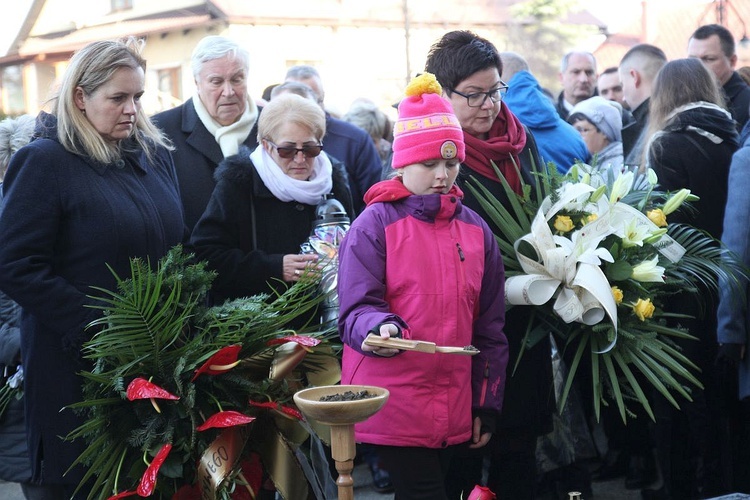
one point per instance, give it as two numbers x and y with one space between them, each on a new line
169 87
120 5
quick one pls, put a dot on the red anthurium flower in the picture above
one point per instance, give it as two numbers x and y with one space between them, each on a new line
225 419
224 360
302 340
481 493
123 495
148 481
140 388
285 411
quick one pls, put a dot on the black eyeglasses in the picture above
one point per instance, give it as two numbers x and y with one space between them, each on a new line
288 152
477 99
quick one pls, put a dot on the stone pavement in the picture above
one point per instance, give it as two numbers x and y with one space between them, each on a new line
612 490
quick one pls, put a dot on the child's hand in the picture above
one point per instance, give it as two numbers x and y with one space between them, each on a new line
387 330
478 438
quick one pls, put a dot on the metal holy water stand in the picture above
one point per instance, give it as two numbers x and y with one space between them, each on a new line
341 417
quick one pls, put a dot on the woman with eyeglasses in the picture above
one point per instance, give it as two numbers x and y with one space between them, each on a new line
265 201
469 67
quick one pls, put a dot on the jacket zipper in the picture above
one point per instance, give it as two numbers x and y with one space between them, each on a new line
485 381
460 252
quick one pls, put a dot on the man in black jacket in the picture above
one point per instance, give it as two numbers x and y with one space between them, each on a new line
714 45
638 69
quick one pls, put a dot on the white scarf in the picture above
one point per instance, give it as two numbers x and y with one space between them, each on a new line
232 136
285 188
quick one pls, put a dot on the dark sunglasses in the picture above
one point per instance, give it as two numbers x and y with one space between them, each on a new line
288 152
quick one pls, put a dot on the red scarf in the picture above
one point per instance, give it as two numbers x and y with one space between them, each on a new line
507 139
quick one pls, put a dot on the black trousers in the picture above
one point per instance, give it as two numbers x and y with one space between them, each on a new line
417 473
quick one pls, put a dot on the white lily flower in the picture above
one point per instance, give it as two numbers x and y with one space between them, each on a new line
621 187
649 271
651 176
634 234
674 201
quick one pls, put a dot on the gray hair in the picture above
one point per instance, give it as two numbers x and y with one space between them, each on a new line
294 87
512 64
369 118
15 133
215 47
302 72
566 59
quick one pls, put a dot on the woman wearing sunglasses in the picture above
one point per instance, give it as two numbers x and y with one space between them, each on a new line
265 202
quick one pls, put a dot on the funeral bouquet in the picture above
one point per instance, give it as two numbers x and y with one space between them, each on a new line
187 401
597 258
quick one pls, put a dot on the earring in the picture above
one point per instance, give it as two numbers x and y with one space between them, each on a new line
83 111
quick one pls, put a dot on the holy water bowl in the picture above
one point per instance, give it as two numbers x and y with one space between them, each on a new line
340 412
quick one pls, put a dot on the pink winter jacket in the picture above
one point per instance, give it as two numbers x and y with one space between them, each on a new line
432 266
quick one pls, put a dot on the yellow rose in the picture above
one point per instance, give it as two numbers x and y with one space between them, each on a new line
591 218
657 217
563 223
644 309
617 294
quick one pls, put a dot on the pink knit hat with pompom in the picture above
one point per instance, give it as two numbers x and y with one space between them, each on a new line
427 129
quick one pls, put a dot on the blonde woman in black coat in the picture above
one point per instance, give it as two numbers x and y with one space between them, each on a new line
97 188
265 201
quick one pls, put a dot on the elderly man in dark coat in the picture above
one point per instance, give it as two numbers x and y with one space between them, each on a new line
212 124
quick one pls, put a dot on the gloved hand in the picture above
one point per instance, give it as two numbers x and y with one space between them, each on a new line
730 354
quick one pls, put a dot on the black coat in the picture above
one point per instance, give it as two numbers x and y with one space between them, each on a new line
65 219
737 93
242 210
14 454
633 137
196 156
684 158
529 399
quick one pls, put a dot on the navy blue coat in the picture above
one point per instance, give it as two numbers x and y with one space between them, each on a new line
354 147
14 455
65 219
196 156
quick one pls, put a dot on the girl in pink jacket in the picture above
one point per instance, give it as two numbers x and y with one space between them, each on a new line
417 264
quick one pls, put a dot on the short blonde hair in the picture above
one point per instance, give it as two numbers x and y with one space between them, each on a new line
289 107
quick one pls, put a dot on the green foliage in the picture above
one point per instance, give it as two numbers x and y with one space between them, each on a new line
642 346
156 326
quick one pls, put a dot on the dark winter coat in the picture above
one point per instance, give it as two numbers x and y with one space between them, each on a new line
737 93
196 156
529 400
684 158
633 134
354 147
242 209
67 218
14 454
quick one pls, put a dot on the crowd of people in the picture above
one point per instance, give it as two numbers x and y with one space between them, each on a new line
239 180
